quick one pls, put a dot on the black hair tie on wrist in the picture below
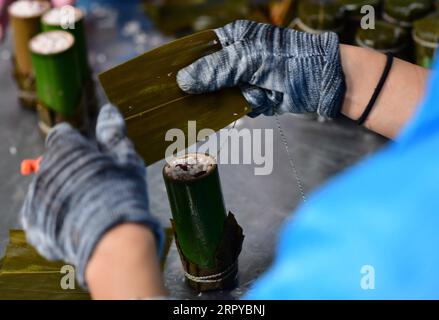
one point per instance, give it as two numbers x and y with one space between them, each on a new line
378 90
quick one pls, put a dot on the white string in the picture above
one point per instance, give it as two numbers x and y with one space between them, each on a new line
27 94
222 144
217 277
291 159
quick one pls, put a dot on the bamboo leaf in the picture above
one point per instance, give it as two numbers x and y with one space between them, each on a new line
146 92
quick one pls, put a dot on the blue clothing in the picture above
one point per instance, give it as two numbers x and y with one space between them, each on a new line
381 215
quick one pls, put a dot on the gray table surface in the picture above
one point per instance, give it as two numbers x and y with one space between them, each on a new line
260 203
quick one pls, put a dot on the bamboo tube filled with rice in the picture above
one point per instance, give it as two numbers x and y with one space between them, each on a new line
70 19
209 240
25 24
55 61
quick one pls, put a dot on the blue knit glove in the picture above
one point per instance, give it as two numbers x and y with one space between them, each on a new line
279 70
83 190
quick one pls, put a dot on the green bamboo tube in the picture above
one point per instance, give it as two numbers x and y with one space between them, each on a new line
404 12
197 206
59 19
353 16
426 36
57 74
385 38
318 16
25 24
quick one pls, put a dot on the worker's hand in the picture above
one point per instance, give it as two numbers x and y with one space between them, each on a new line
279 70
85 189
4 13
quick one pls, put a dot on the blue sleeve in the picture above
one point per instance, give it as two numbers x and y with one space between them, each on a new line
372 232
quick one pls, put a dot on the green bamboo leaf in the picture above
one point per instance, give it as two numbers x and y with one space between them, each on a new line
146 92
24 274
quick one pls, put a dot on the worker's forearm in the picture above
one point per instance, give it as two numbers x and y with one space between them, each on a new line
399 98
124 265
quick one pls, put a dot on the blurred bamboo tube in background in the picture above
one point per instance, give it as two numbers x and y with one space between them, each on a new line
56 66
70 19
197 206
282 12
426 36
209 241
404 12
353 16
25 23
318 16
385 38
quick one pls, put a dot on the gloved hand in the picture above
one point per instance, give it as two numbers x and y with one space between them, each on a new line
4 13
279 70
84 189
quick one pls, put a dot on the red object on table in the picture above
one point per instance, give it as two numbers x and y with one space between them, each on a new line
29 167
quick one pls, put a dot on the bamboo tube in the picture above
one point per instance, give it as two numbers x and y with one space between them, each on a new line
197 206
57 74
70 19
318 16
209 242
25 23
426 37
404 12
385 38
